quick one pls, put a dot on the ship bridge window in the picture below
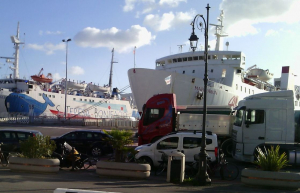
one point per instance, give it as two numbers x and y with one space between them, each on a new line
236 57
184 59
201 57
85 100
195 58
226 57
215 57
174 60
179 59
190 58
169 61
160 63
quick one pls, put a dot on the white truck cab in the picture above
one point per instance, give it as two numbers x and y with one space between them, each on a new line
267 119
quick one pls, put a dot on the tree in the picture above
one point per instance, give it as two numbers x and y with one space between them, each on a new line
119 140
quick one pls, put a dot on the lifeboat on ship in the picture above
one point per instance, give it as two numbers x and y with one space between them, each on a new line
260 74
42 78
94 87
75 85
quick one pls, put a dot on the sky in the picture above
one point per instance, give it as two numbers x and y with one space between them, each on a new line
266 31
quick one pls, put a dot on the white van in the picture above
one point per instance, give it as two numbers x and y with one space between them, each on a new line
188 143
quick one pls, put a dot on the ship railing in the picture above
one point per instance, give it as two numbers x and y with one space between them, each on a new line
103 123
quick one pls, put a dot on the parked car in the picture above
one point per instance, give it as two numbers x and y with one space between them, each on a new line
186 142
86 141
11 138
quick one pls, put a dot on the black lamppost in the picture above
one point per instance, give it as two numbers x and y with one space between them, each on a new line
202 175
66 75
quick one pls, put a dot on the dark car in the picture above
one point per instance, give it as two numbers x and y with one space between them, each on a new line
11 138
86 141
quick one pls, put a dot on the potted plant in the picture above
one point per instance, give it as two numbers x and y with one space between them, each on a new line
269 173
119 140
35 155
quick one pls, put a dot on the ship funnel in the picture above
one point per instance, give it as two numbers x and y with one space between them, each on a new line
287 79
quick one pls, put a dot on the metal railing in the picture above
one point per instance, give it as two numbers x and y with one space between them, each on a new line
122 123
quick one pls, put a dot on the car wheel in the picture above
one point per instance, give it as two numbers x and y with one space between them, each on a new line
146 160
96 151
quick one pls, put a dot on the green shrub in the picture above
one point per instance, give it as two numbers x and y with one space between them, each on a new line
119 140
37 147
271 159
191 182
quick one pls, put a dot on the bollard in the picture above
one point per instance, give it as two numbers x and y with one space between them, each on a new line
182 156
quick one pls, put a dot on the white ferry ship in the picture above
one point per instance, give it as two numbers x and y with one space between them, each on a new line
42 97
183 75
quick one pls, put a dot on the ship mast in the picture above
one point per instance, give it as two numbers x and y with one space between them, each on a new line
111 70
16 41
219 31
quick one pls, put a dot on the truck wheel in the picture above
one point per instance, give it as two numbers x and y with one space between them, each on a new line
227 147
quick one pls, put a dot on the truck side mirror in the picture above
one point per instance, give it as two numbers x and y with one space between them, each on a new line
248 114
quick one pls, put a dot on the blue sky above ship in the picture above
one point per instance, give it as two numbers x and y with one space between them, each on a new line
266 31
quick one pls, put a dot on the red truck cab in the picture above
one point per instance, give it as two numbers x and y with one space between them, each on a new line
158 118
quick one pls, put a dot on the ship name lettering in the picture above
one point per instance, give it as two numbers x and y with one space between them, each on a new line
211 91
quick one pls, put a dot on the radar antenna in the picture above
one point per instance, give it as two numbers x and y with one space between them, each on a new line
180 48
219 30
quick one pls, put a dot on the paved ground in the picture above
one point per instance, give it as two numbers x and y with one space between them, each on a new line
89 180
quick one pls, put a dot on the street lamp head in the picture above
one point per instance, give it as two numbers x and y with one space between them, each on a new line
193 41
66 40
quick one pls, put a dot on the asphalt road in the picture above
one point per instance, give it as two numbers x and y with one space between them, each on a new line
88 179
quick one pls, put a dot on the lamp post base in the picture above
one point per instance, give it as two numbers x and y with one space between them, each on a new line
202 175
204 180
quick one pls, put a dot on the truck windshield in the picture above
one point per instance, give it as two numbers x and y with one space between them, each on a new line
152 114
239 117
